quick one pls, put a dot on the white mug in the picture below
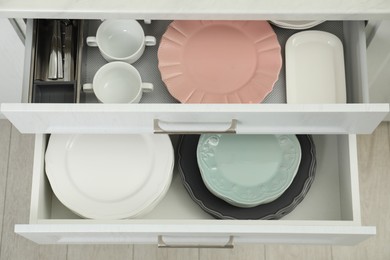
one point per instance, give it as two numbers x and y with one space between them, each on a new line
121 40
118 82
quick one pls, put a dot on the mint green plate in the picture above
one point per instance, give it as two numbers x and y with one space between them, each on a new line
248 170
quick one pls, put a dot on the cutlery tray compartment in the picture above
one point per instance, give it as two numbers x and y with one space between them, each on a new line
54 92
54 59
333 200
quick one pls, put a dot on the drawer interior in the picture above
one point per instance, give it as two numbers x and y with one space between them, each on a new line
89 60
278 117
334 195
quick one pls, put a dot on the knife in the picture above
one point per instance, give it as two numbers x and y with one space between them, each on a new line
60 68
68 57
53 59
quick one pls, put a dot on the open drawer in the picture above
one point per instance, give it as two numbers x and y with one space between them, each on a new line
329 214
162 113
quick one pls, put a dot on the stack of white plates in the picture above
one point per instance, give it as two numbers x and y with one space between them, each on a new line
109 176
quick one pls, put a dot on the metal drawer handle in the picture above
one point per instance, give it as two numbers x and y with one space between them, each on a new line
162 244
232 129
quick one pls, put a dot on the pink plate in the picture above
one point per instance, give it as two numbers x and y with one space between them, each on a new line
219 61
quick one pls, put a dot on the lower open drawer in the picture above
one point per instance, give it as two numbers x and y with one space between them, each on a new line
329 214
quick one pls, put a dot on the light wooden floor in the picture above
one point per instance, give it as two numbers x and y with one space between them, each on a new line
16 154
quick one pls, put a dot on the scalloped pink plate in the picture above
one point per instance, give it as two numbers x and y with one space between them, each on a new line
219 61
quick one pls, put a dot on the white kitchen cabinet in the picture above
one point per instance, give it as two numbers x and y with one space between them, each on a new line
11 64
201 9
330 213
378 62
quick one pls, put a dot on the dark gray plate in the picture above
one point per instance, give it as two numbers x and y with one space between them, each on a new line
192 180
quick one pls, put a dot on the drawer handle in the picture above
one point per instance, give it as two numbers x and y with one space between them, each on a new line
161 244
232 129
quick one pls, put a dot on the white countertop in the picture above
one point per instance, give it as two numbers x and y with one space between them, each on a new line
198 9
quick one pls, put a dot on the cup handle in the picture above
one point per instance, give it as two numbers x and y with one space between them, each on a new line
147 87
91 41
150 40
88 88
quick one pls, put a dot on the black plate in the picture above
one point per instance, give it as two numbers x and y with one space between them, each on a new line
192 180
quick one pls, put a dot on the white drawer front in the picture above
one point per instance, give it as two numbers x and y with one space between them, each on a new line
193 235
266 118
329 214
355 117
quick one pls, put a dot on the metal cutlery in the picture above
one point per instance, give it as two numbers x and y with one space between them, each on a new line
60 68
56 61
68 56
53 58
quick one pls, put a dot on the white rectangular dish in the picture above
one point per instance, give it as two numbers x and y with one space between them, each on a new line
329 214
315 68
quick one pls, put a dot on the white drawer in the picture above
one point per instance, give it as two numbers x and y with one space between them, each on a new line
329 214
357 116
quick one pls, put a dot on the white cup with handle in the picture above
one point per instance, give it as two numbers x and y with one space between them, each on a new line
118 82
121 40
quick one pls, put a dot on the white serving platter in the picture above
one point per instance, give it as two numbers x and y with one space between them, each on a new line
315 70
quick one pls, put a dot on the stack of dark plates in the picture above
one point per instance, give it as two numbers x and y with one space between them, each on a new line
219 208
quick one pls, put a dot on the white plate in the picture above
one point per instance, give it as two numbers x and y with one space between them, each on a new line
297 25
315 68
152 205
109 176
